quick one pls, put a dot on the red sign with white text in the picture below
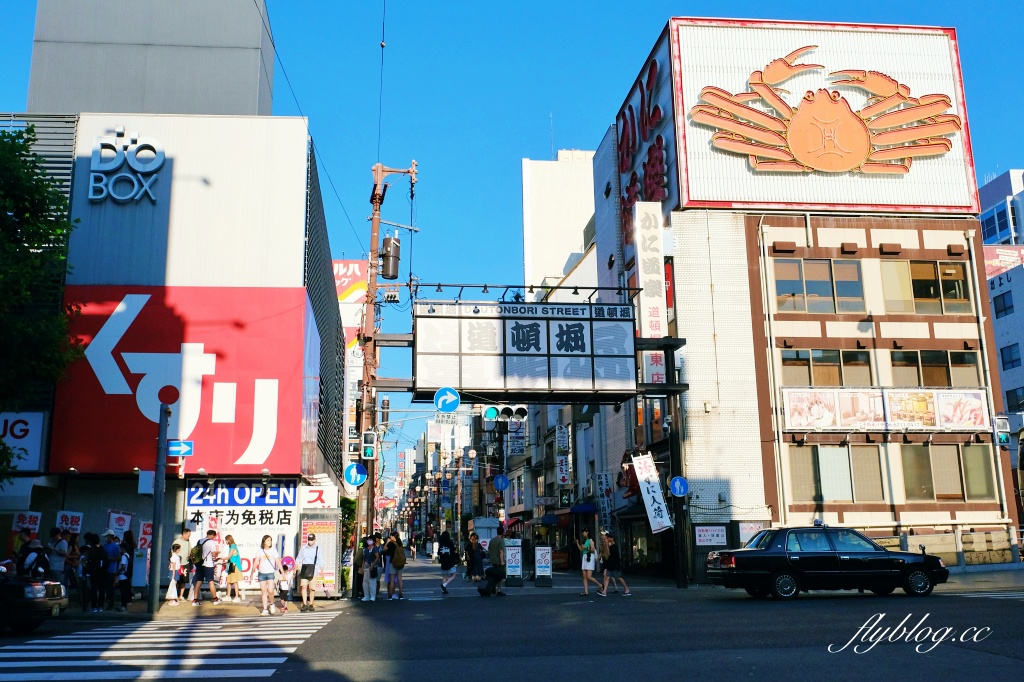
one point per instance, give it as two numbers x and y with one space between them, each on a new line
227 360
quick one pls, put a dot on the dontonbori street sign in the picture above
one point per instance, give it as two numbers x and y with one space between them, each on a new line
550 352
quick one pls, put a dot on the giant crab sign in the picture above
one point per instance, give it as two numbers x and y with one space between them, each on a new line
823 132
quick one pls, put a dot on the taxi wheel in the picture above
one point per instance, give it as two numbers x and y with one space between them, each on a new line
785 586
918 583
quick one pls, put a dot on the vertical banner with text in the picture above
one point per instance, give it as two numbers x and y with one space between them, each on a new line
650 488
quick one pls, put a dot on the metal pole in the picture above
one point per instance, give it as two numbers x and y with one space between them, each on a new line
159 484
676 469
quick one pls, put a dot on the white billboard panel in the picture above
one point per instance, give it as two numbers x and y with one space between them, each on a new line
804 115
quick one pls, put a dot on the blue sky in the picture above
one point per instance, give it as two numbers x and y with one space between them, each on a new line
469 89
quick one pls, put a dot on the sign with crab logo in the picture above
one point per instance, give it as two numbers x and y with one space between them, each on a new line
811 116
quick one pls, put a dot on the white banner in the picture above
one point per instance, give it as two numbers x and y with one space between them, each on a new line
562 454
514 558
119 522
604 498
650 488
543 561
318 496
71 521
652 318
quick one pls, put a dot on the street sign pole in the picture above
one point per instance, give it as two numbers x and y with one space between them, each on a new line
159 484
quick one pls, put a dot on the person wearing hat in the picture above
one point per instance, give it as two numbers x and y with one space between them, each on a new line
310 565
35 565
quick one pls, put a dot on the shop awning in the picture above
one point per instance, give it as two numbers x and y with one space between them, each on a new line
514 521
584 508
546 520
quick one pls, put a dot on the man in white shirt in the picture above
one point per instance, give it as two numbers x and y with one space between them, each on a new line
309 555
209 548
57 552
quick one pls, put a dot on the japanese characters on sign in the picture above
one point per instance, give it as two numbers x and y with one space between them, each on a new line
145 534
562 454
26 519
326 531
119 522
604 498
524 347
710 536
652 318
514 557
645 125
650 488
71 521
318 496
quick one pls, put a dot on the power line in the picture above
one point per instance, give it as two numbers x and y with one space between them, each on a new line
295 98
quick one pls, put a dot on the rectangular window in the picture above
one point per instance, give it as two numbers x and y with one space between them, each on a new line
825 368
934 368
963 369
925 281
1015 400
946 472
796 368
988 227
917 473
834 471
867 473
818 280
897 287
789 285
803 468
956 294
849 287
905 368
978 472
1001 221
1010 356
856 368
1002 305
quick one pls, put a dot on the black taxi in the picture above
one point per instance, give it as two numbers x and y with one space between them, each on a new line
783 562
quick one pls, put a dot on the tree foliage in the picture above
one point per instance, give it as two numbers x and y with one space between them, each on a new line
35 344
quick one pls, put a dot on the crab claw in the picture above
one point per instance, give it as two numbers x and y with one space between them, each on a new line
782 69
875 82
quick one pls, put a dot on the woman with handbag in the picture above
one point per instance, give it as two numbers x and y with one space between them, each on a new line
589 552
266 565
371 567
234 568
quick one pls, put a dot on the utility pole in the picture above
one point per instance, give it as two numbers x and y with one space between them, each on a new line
367 339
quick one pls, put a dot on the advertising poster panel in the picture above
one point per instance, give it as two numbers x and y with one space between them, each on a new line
326 532
886 409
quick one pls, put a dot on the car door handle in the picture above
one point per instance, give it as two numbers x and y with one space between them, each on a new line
794 558
844 557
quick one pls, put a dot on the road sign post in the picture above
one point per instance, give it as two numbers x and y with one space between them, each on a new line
159 484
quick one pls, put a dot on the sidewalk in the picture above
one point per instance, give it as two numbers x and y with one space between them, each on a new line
138 610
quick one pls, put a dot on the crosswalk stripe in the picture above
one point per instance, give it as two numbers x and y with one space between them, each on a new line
993 595
164 650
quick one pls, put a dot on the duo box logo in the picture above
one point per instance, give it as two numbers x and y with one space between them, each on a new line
227 360
124 167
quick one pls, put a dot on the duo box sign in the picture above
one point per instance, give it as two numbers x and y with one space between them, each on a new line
123 167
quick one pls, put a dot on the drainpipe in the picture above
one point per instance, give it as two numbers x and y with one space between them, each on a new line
969 235
762 235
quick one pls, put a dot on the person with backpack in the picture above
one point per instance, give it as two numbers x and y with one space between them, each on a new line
35 564
204 557
113 552
122 579
394 577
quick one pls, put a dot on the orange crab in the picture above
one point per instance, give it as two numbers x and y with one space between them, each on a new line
823 132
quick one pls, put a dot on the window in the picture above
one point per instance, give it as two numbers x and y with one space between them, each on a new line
825 368
796 368
988 227
849 541
956 295
836 473
963 369
905 370
789 284
1015 400
807 541
818 281
896 287
856 368
1010 356
925 281
934 368
1002 305
1001 221
948 472
849 287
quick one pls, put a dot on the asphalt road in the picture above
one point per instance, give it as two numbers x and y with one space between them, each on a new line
544 634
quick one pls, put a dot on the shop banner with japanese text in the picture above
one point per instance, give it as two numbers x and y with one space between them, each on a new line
650 488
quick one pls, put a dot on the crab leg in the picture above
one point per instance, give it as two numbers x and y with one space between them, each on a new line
735 142
711 116
778 166
886 168
909 114
932 147
944 125
769 95
724 101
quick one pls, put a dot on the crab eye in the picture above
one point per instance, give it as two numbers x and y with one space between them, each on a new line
835 96
809 96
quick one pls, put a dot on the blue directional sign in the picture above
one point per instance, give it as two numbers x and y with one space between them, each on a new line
500 482
679 486
355 474
446 399
180 448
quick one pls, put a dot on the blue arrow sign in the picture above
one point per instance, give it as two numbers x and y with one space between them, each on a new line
500 482
355 474
180 448
446 399
679 486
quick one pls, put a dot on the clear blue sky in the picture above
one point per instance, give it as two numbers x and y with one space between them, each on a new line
469 88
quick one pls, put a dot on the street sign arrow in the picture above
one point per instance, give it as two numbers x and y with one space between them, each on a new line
446 399
180 448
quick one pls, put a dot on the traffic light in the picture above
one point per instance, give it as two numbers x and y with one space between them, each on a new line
392 253
504 413
369 450
385 407
1003 431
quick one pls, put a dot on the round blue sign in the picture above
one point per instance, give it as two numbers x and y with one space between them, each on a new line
355 474
500 482
679 486
446 399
